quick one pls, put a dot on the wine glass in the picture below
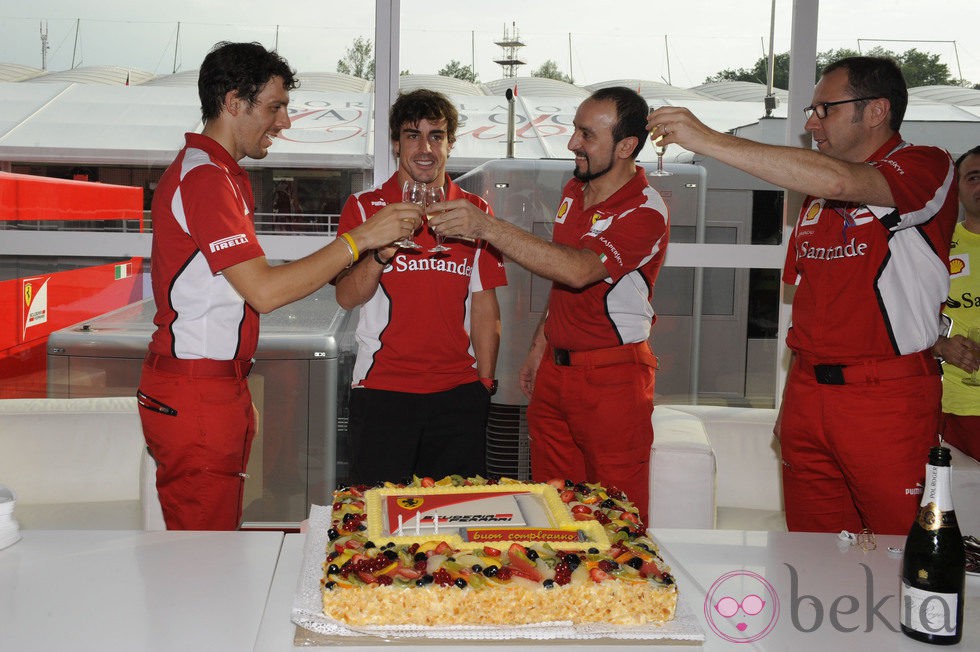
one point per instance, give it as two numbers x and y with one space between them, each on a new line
413 192
661 150
974 335
434 195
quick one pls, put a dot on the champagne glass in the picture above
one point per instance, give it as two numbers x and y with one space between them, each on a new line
434 195
661 150
974 335
413 192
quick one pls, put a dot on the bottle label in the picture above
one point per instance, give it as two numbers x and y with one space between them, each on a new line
928 612
937 488
931 518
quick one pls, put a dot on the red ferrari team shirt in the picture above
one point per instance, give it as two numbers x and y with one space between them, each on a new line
629 231
872 279
202 224
413 335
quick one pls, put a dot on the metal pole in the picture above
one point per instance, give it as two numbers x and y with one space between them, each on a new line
697 308
176 46
44 45
571 74
510 122
803 47
770 104
74 48
386 34
959 71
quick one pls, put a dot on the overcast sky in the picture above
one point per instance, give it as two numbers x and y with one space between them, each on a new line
597 41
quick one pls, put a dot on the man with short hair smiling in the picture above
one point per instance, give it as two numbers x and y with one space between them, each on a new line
429 326
961 401
869 255
210 282
590 372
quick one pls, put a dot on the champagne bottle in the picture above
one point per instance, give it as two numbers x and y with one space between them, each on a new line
934 566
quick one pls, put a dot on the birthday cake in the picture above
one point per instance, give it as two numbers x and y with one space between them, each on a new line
467 551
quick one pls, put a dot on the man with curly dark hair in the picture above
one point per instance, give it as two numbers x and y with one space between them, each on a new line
429 324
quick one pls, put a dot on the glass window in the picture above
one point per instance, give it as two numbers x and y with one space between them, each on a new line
669 58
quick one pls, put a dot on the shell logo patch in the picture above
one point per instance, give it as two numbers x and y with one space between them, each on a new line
410 502
812 214
959 266
566 205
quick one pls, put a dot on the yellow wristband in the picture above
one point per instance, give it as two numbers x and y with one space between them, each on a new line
355 254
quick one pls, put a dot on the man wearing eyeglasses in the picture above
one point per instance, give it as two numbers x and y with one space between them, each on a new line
869 256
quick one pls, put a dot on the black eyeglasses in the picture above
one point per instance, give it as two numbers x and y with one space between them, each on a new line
821 108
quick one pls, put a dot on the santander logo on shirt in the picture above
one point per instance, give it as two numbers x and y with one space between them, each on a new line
406 263
850 250
850 217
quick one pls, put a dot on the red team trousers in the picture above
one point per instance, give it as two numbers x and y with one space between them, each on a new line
854 455
199 429
589 421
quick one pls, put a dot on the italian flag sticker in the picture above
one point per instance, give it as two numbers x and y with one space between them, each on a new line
124 270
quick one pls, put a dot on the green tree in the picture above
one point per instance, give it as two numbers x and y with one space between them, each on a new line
359 59
923 69
757 73
919 68
459 71
550 70
826 58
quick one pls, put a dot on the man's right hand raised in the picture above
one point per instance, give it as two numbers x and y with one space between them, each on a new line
391 223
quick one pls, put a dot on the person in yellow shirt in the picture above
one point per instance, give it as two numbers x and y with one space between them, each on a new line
961 398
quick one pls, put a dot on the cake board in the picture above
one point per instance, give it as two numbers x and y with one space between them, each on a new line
316 629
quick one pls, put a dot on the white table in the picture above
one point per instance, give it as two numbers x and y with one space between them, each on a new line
104 590
825 571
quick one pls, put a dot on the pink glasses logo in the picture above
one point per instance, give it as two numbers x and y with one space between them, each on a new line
741 607
751 605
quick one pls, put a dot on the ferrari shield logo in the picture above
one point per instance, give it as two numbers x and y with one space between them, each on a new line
28 294
410 502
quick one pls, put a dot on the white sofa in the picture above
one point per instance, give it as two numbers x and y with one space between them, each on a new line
715 467
82 464
719 467
78 464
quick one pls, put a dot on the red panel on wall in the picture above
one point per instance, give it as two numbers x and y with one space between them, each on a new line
32 308
26 197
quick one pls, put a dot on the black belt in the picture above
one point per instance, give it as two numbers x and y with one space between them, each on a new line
872 370
626 353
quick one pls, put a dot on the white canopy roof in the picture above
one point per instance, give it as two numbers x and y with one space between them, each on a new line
112 124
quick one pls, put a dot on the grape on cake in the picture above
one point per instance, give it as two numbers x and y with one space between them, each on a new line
468 551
